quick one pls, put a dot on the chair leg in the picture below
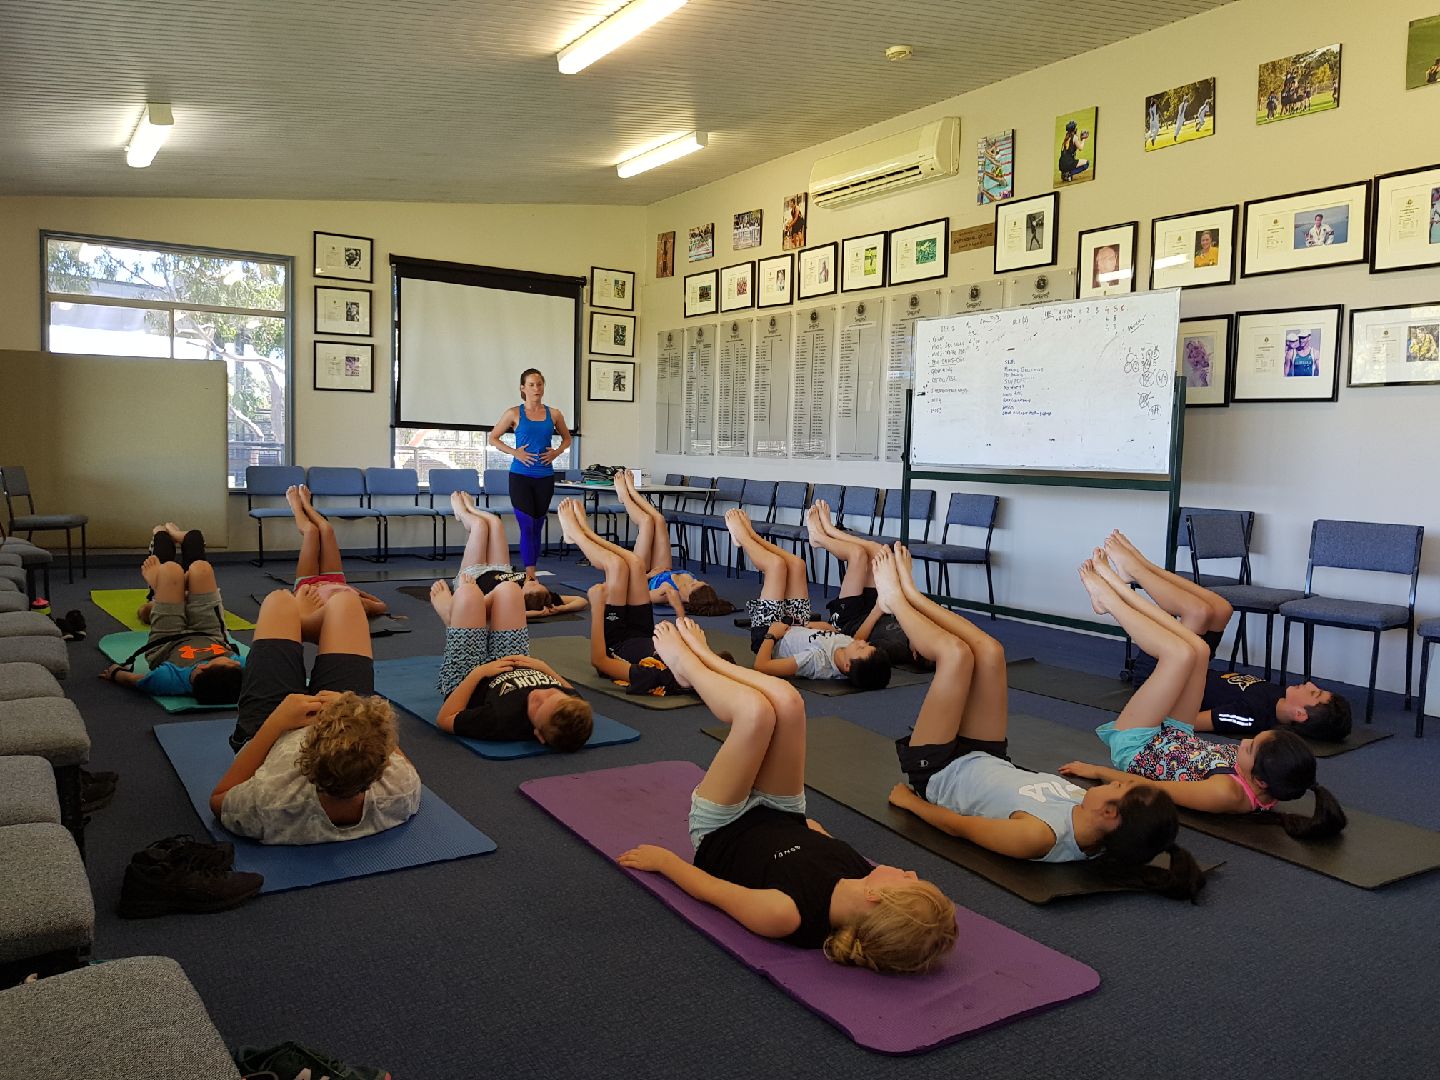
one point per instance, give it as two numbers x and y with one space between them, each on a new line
1374 667
1420 697
1269 643
1284 648
259 560
990 587
1309 638
84 554
69 559
1235 645
1409 661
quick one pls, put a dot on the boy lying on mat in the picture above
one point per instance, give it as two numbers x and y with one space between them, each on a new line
785 640
681 591
492 689
487 561
188 650
961 779
757 857
317 759
622 621
319 563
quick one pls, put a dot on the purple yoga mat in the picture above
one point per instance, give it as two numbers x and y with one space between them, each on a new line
993 976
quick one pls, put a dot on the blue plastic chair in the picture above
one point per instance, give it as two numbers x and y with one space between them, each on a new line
1182 540
832 495
969 511
921 508
268 481
789 495
444 481
757 499
729 490
346 483
1429 632
399 484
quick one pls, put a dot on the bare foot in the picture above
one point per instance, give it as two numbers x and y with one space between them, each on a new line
297 505
905 568
441 599
569 528
1104 571
307 599
461 511
176 533
670 647
1121 557
1094 586
827 518
814 526
738 522
887 581
150 570
693 634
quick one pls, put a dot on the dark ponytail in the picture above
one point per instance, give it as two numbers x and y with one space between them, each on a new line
1285 765
1328 818
1148 826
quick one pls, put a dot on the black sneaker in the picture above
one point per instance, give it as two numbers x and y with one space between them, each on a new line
96 790
181 884
76 622
291 1060
185 848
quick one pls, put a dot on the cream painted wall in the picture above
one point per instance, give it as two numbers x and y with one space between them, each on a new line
1358 458
330 428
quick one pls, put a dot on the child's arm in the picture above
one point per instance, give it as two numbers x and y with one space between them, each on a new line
862 632
767 912
520 660
116 674
296 711
765 659
459 698
1023 837
372 604
1213 795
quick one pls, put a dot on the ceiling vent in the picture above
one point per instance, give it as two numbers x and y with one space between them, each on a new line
888 165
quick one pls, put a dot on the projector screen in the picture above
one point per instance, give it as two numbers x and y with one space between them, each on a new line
463 335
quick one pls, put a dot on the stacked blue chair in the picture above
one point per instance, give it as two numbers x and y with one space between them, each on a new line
757 499
1429 632
921 508
16 484
790 495
831 495
269 481
346 483
400 484
444 481
729 490
1182 540
682 520
969 511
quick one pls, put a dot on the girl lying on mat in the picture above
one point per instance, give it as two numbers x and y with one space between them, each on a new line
487 561
317 758
1154 737
492 689
319 563
682 591
757 857
963 783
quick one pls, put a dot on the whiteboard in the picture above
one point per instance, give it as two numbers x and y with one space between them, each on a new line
1086 385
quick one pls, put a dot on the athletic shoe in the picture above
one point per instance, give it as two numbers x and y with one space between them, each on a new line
181 882
76 623
290 1060
96 790
181 848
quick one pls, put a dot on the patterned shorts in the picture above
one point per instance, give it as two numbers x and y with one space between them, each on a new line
466 648
794 612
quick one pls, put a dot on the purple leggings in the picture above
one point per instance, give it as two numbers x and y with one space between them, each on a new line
530 496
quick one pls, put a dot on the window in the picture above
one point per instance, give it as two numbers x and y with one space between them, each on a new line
127 298
423 449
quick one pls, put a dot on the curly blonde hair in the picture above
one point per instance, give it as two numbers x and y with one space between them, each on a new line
906 932
348 746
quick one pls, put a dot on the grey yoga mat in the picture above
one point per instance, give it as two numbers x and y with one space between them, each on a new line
570 656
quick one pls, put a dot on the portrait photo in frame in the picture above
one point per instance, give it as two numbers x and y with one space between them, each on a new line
701 294
1306 231
349 257
919 252
1406 220
775 281
1193 250
342 311
345 365
1398 345
611 380
1105 260
1026 232
817 272
737 286
862 262
612 289
612 335
1202 355
1290 354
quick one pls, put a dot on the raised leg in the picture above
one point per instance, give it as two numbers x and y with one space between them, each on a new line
344 628
625 578
782 572
1201 610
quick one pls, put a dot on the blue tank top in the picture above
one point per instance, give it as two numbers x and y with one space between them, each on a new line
665 577
983 785
535 436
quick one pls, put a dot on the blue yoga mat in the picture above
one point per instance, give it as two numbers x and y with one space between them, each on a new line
200 752
410 683
119 646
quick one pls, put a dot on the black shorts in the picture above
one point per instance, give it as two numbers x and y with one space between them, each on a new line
920 763
276 669
848 612
627 622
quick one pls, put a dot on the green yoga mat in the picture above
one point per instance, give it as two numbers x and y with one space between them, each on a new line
119 646
121 604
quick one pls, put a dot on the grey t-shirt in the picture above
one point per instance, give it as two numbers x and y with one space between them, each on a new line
813 651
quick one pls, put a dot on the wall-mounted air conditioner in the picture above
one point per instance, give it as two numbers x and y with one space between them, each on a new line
889 164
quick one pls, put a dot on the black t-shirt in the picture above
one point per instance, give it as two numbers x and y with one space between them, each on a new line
848 612
648 673
497 709
771 849
491 578
1240 705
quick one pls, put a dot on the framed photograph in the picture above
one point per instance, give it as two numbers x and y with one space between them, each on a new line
1306 231
342 311
612 335
1397 345
665 254
1202 355
747 229
1422 53
1180 115
817 272
920 252
613 289
1076 147
611 380
792 232
995 168
700 294
862 262
1287 355
737 286
776 286
1105 261
345 365
1407 220
701 245
1308 82
1193 250
1025 232
348 257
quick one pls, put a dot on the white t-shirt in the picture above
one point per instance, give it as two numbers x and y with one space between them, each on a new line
813 651
278 805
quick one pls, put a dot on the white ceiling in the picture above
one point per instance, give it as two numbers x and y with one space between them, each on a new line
442 100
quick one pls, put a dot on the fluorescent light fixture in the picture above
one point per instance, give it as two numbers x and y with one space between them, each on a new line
630 21
156 124
663 154
1171 260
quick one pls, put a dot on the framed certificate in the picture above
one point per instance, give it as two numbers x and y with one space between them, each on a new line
700 290
1025 232
1306 231
612 335
1202 355
862 262
1193 250
342 311
920 252
737 286
1407 220
1287 355
348 257
1105 261
345 365
613 289
817 271
776 284
1395 346
611 380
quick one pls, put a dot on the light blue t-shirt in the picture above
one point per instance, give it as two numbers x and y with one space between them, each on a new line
171 680
983 785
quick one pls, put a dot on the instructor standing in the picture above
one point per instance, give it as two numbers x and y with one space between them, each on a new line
532 477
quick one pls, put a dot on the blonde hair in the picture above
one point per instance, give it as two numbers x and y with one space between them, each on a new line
906 932
348 746
570 725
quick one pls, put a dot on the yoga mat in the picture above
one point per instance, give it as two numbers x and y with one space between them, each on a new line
1101 692
857 768
1371 852
397 573
721 640
120 645
121 605
992 977
422 593
410 683
200 752
380 625
570 656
